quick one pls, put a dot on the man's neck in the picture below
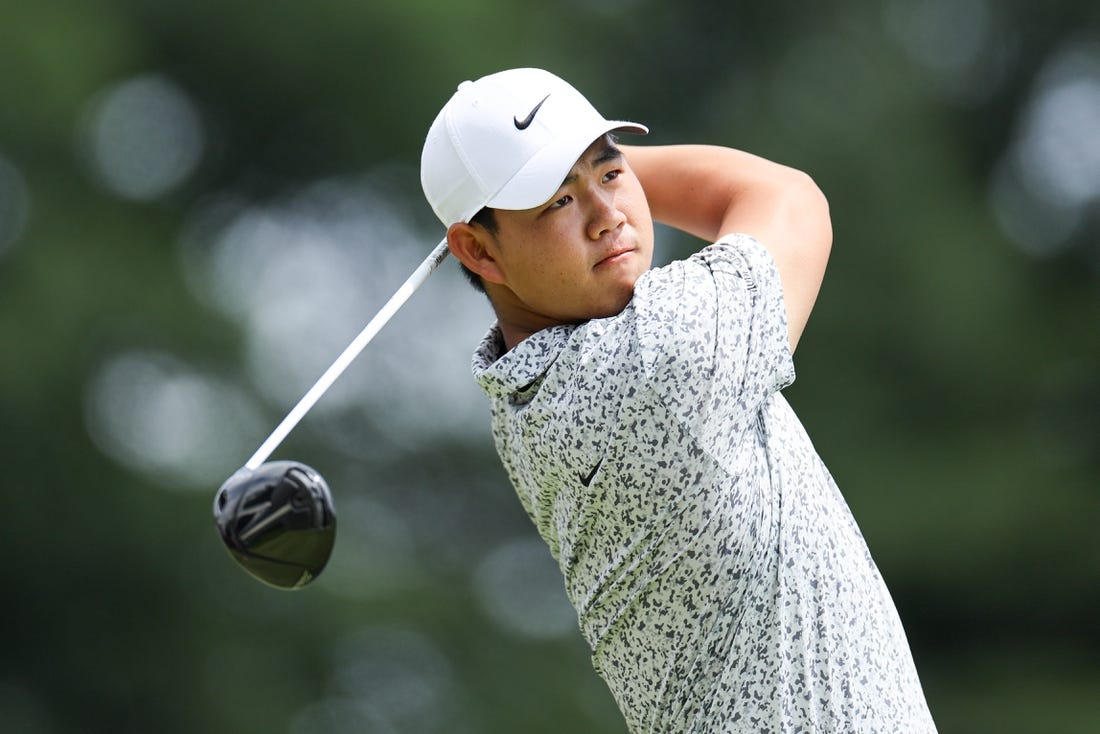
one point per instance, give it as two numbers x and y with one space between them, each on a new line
512 335
515 320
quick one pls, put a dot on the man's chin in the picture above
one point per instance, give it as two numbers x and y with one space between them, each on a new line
615 307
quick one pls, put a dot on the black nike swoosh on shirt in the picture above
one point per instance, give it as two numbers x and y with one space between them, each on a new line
526 122
587 481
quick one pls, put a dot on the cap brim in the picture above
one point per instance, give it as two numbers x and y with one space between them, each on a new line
544 173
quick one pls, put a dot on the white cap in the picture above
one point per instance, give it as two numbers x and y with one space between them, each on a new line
507 141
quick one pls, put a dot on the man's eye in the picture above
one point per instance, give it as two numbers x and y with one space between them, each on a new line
561 202
611 175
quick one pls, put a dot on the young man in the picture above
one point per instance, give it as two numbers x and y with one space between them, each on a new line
716 570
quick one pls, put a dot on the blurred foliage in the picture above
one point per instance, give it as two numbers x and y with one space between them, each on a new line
950 376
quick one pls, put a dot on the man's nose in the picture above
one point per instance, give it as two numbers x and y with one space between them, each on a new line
605 215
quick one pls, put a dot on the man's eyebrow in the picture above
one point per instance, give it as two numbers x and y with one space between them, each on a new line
607 153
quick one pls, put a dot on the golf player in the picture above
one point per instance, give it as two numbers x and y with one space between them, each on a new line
716 570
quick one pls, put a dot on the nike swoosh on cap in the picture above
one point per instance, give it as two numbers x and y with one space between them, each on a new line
526 122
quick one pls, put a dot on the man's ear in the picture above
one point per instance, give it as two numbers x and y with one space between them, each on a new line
473 246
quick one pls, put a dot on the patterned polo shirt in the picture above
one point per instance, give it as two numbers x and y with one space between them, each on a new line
717 572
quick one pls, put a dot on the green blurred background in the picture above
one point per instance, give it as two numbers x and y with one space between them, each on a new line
202 202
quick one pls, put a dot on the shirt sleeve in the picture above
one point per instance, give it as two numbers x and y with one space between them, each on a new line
712 331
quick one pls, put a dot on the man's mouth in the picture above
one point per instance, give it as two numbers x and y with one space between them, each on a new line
615 256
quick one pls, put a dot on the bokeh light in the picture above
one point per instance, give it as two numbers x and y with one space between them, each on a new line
1050 174
520 587
152 412
143 137
304 275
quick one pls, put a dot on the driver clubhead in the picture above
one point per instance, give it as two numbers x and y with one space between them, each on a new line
278 522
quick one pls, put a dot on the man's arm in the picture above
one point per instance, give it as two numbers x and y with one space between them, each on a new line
711 191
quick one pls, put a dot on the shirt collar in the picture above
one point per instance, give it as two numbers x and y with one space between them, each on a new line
501 372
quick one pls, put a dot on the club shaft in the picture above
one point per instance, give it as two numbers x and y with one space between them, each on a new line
349 354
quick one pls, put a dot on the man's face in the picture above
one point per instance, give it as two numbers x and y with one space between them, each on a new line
577 256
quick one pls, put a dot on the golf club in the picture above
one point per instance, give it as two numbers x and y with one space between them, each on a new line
278 519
